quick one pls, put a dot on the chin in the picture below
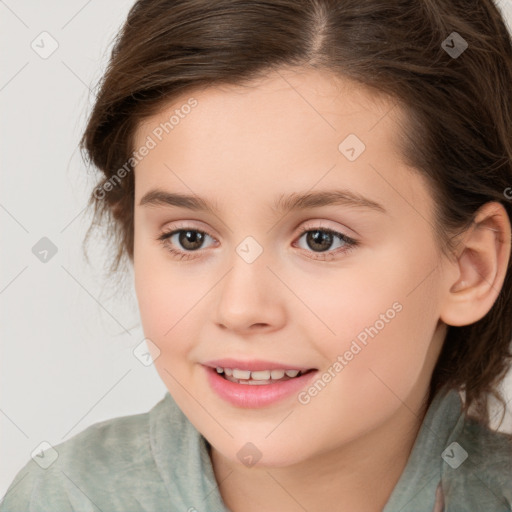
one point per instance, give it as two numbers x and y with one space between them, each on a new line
266 454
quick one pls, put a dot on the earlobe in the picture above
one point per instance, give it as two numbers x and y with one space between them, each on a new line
481 267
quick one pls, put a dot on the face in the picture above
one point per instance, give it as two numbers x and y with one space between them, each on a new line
347 291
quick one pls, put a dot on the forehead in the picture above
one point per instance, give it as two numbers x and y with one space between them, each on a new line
278 99
280 132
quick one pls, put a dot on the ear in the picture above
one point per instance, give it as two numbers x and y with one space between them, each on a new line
480 267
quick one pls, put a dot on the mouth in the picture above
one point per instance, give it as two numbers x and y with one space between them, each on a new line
256 384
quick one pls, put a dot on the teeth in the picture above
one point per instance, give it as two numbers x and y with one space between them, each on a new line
256 377
249 382
262 375
241 374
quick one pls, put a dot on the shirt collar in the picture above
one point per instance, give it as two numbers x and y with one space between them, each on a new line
417 486
182 459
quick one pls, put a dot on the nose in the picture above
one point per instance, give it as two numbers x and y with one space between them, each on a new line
250 297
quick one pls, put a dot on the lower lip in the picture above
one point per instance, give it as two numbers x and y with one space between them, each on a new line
255 396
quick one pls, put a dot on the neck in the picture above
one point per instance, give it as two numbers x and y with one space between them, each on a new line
360 475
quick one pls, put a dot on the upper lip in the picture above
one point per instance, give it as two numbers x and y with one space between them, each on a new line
253 365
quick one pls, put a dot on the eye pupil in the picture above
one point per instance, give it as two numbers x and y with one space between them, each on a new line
190 237
318 237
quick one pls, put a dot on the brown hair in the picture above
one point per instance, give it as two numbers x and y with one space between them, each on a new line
459 114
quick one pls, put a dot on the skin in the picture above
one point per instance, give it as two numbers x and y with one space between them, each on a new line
242 147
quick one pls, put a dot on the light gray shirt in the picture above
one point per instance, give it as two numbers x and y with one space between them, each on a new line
157 462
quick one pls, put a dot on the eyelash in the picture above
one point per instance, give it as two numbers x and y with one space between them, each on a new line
350 243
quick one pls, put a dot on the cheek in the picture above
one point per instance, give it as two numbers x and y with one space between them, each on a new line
166 298
382 353
167 304
384 320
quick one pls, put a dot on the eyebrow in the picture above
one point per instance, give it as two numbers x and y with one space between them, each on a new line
283 204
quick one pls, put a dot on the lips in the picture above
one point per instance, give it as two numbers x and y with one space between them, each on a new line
245 395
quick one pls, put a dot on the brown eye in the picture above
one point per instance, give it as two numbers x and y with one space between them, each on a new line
319 240
190 239
188 242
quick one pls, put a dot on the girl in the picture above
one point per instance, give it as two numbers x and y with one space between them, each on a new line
315 196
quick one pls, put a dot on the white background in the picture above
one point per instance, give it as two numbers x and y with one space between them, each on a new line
66 358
